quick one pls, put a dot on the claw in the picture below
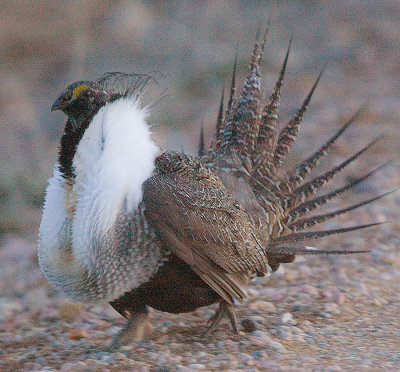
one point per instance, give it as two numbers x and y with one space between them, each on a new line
137 328
225 309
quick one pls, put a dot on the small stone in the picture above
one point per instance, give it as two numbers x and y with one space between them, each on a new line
287 318
181 368
339 298
300 307
261 334
275 345
257 341
102 325
334 368
69 311
290 276
7 307
196 366
322 314
331 307
284 334
77 334
262 306
245 359
379 301
248 325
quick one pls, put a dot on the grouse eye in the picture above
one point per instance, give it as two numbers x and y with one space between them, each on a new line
67 97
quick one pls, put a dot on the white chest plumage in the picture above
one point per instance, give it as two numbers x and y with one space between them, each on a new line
78 230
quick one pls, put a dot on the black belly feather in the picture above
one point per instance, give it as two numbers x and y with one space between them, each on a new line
174 288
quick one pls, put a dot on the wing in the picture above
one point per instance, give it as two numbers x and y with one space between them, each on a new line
195 217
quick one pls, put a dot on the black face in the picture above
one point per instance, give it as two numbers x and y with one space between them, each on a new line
78 99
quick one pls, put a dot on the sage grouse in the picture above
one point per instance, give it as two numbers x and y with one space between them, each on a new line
127 223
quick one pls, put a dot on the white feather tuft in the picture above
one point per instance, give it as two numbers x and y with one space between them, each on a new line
113 159
54 227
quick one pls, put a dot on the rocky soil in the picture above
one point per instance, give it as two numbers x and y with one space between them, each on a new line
320 314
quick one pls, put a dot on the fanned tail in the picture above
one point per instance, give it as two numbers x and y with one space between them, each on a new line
247 143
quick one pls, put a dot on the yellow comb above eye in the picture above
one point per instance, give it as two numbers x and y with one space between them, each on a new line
79 89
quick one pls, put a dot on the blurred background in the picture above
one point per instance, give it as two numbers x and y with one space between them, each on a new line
46 44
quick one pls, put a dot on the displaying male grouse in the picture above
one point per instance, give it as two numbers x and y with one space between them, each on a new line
127 223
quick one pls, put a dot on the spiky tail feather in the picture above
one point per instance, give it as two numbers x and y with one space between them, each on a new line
309 251
251 133
266 140
202 147
295 237
306 223
300 194
288 134
240 133
312 204
298 174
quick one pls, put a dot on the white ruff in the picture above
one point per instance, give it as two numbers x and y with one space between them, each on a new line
76 251
114 157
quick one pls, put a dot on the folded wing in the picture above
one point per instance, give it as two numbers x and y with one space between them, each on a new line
200 222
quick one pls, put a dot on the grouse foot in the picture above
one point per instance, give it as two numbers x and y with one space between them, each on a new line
138 327
225 309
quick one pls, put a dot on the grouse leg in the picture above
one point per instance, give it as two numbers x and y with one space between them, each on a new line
225 309
136 328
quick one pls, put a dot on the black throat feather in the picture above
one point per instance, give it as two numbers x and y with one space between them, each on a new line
73 133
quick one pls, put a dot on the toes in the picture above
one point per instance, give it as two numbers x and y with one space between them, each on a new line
137 328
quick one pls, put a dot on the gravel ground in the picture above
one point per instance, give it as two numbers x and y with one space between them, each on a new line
318 314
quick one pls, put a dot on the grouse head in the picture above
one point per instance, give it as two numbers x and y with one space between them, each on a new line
81 98
81 101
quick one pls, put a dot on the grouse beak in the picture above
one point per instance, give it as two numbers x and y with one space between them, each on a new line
60 102
56 106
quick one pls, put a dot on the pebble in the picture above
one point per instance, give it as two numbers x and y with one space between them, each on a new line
78 333
181 368
287 318
197 366
102 325
245 359
7 308
284 334
69 311
331 307
380 301
262 339
49 314
248 325
262 306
